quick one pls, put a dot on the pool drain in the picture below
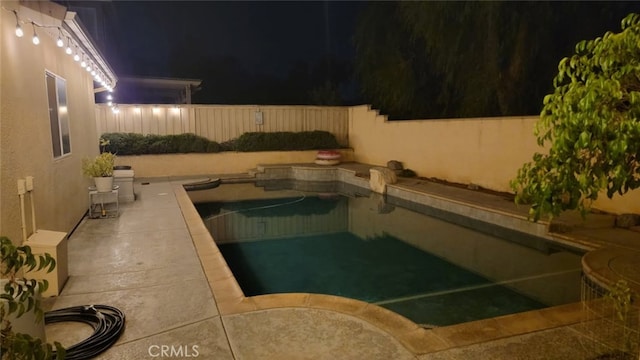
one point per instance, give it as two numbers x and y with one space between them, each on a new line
107 323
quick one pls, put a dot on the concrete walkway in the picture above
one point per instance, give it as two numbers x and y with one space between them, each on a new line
145 263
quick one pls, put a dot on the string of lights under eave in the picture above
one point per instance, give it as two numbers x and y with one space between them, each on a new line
72 48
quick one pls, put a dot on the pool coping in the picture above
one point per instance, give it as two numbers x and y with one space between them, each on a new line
230 300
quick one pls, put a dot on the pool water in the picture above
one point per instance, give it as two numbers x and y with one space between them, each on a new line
362 247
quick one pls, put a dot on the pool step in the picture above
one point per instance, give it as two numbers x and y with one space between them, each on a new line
271 172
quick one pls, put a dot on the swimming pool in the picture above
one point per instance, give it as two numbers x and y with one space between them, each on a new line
346 241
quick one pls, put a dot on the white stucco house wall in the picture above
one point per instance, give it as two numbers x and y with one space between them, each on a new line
47 113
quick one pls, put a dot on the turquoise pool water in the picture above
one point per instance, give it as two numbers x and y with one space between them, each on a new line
364 247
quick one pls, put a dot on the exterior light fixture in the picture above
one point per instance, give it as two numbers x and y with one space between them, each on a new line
109 97
19 32
35 39
83 64
68 50
59 42
76 57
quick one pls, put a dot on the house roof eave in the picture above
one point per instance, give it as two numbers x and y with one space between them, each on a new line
73 25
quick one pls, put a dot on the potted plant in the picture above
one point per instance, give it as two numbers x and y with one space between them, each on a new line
21 316
100 169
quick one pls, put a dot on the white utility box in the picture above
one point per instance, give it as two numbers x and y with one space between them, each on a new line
124 179
55 244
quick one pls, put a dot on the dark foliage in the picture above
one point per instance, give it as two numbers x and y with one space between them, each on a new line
305 140
229 145
138 144
441 59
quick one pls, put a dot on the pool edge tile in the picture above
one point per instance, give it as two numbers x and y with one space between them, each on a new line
336 303
421 341
227 288
238 306
526 322
273 301
472 332
566 314
387 320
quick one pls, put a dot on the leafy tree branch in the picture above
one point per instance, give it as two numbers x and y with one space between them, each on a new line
590 126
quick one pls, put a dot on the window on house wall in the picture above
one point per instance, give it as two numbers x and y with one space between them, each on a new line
58 116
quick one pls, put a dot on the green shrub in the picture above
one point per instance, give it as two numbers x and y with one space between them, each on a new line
213 147
124 143
158 146
192 143
275 141
229 145
138 144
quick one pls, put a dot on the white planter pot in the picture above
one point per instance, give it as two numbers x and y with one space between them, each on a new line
25 324
103 184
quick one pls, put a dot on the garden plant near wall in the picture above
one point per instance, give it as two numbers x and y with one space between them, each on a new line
19 296
589 125
138 144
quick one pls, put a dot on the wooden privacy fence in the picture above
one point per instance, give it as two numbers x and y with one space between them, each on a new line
222 122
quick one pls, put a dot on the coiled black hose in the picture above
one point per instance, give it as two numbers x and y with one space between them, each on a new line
107 323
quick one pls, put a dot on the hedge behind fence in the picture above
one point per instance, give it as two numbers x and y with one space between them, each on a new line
274 141
138 144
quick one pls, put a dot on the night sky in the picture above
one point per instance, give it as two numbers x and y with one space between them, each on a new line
265 36
303 52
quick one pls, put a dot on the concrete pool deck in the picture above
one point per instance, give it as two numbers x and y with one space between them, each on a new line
158 264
